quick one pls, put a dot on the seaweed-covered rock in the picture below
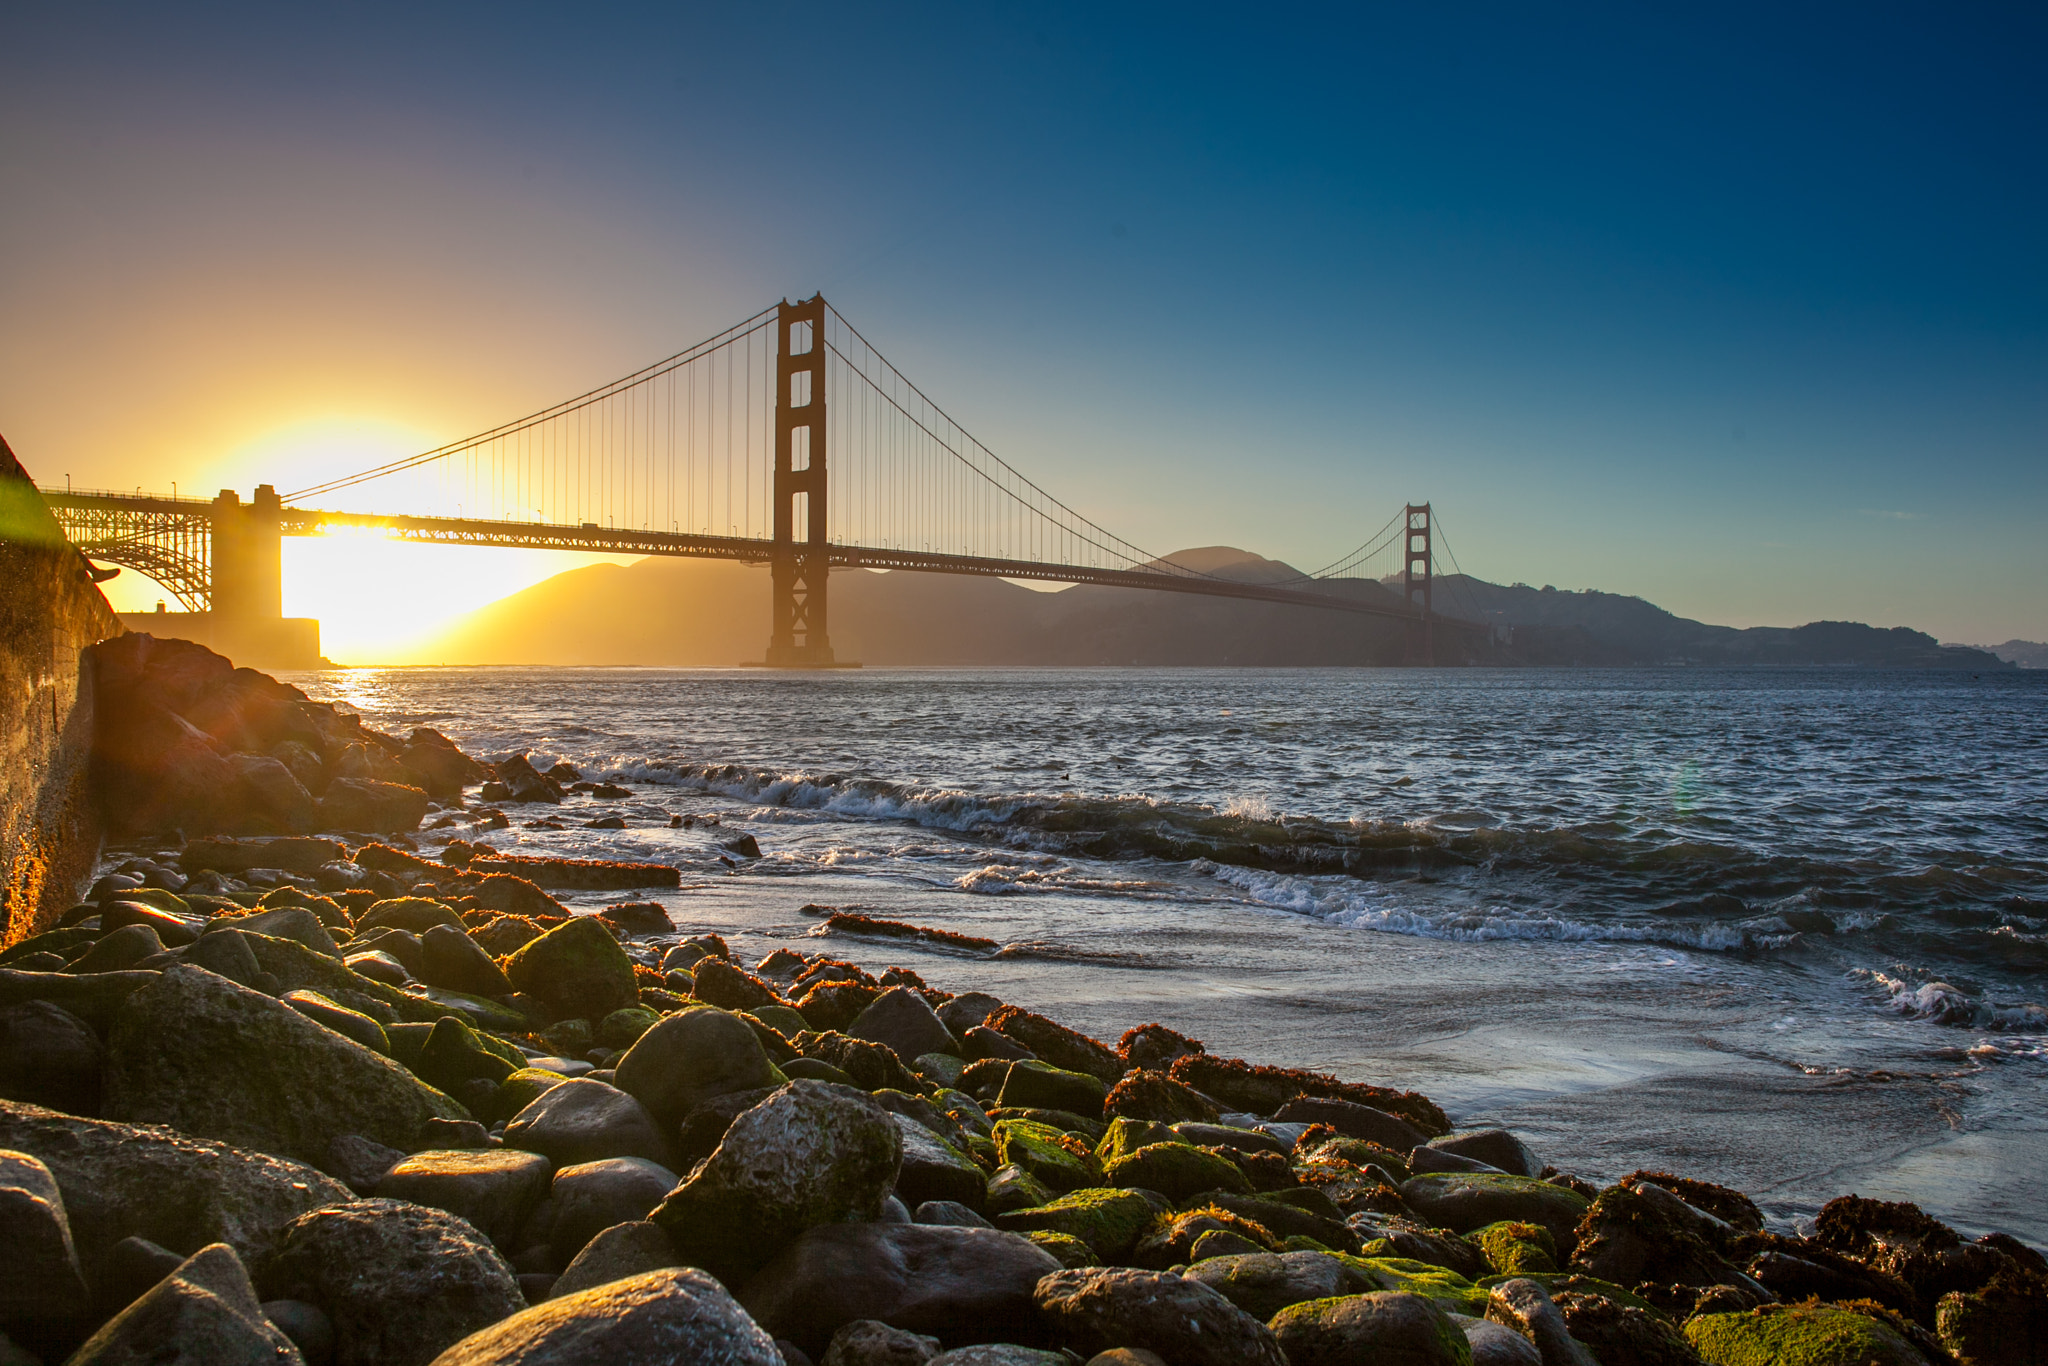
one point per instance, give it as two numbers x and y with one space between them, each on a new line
1057 1044
1443 1287
1176 1171
1061 1162
960 1285
2005 1322
576 969
1263 1090
1497 1148
1900 1240
719 983
1620 1334
633 1248
1153 1047
1184 1321
1012 1187
1294 1217
583 1120
872 1066
1154 1095
205 1313
494 1189
658 1317
1041 1086
1800 1335
1109 1221
1441 1247
1633 1234
1515 1249
1525 1306
1382 1327
1352 1120
1463 1201
211 1058
1264 1283
902 1020
812 1153
690 1057
401 1282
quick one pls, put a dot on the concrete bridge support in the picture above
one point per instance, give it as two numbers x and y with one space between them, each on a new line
797 634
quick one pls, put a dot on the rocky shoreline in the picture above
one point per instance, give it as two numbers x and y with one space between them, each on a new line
286 1087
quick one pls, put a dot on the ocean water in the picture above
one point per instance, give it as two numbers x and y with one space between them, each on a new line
1783 929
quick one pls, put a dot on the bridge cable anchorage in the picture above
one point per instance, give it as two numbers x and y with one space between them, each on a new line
853 463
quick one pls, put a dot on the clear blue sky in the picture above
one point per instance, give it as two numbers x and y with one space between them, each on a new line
1742 309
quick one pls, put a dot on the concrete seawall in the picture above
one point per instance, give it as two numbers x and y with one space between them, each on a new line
50 612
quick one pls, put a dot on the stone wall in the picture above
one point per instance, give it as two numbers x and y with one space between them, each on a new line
50 611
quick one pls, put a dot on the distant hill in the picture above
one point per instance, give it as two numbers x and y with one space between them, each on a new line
707 613
2028 654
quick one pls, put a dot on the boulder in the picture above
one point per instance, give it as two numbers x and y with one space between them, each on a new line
509 894
1494 1344
44 1283
203 1055
934 1169
633 1248
982 1044
902 1020
1497 1148
960 1285
1513 1249
120 1180
870 1342
948 1212
968 1009
1643 1232
1801 1335
359 1163
92 997
1057 1044
1264 1283
172 928
525 783
299 855
703 1129
441 770
653 1319
368 804
48 1056
1036 1085
1616 1332
1525 1306
401 1282
1462 1202
1184 1321
812 1153
450 958
1156 1096
1046 1154
205 1313
494 1189
590 1197
350 1024
267 797
1109 1221
1382 1327
1176 1170
309 1328
690 1057
118 950
577 970
1353 1120
287 922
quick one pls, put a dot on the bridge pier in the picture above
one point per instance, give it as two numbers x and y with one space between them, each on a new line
798 636
1421 644
246 621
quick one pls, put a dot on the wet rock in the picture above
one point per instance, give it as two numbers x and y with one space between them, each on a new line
1513 1249
968 1009
1184 1321
1801 1335
203 1314
590 1197
901 1020
1497 1148
512 895
369 804
1055 1043
400 1281
1176 1170
288 922
1431 1162
2005 1322
359 1163
1899 1240
1645 1233
173 930
437 766
1463 1202
1156 1096
870 1342
212 1058
1494 1344
1287 1219
982 1044
350 1024
1439 1247
1264 1283
524 783
633 1248
1047 1154
960 1285
1397 1329
1622 1333
310 1330
1040 1086
692 1056
302 854
661 1317
120 1180
120 949
410 915
450 958
577 969
48 1056
1229 1136
494 1189
43 1284
1109 1221
128 1271
812 1153
1353 1121
950 1213
1526 1307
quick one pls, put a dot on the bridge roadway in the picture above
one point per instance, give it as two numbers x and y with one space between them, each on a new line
293 521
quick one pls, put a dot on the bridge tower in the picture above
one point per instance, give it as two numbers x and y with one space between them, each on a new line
798 563
1421 634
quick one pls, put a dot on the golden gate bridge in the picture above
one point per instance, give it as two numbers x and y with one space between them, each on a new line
786 440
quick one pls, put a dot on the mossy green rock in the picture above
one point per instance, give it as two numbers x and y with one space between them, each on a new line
1038 1149
454 1053
1034 1085
1450 1292
522 1089
1516 1249
570 1038
1110 1221
1014 1188
1799 1335
622 1028
1463 1201
1176 1171
1263 1283
1557 1283
812 1153
478 1010
782 1019
1386 1328
210 1058
577 969
691 1056
940 1069
1065 1248
1126 1136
